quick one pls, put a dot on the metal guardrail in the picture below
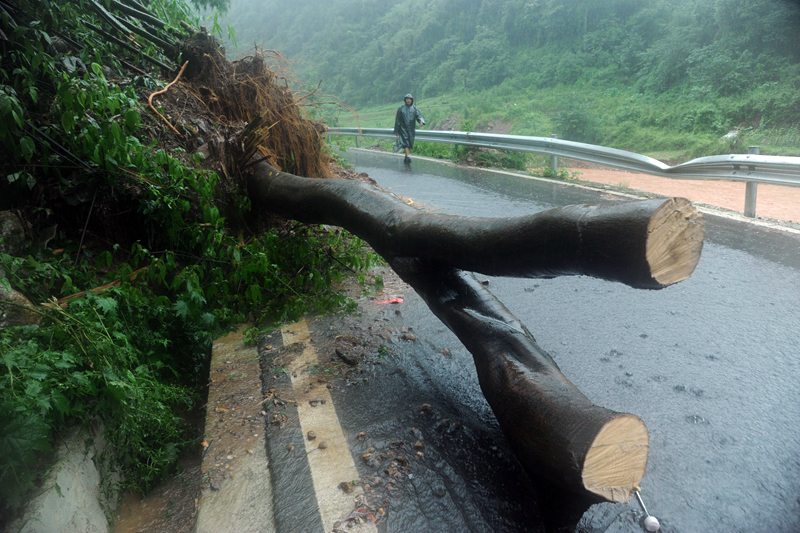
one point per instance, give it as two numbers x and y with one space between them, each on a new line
751 168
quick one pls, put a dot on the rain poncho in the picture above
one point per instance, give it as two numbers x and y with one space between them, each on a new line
405 123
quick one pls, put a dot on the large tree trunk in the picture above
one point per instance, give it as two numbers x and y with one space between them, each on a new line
645 244
555 430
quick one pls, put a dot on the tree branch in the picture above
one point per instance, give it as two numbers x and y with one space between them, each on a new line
645 244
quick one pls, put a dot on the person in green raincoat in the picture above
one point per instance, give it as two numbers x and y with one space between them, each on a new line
405 126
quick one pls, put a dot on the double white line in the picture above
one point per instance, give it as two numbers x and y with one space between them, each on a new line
332 463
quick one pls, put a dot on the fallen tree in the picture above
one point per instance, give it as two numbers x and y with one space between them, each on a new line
555 430
647 244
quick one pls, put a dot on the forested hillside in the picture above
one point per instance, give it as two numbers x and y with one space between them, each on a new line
742 55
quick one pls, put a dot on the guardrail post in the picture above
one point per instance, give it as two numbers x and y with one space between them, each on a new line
554 158
751 189
357 136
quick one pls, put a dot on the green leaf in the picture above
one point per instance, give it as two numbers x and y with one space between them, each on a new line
33 388
106 305
117 390
24 435
68 121
80 378
60 402
27 147
181 308
132 120
116 132
17 118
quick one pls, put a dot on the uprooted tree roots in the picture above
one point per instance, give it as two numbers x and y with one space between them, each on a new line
237 93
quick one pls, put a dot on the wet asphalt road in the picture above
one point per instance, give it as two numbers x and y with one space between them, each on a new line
711 364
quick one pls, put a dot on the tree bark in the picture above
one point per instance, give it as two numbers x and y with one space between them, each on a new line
555 430
645 244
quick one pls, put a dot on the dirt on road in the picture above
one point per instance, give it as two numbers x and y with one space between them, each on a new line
772 201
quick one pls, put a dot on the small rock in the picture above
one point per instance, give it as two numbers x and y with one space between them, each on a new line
377 480
311 435
290 448
362 435
425 409
346 358
419 445
346 487
409 337
323 445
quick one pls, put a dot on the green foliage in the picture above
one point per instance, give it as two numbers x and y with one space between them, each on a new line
561 173
108 358
704 66
133 358
577 124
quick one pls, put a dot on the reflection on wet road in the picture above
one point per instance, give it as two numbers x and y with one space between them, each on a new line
711 364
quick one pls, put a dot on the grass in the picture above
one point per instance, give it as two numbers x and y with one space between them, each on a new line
671 128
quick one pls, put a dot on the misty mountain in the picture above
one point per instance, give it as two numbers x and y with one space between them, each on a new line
369 51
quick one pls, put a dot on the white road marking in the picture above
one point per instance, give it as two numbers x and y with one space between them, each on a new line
334 464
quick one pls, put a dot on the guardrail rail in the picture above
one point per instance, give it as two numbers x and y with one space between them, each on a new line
751 168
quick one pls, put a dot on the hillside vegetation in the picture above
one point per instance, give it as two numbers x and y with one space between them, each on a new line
127 241
654 76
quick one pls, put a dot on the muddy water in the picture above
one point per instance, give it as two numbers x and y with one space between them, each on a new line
232 447
168 507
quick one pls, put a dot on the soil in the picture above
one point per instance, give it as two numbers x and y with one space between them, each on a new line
773 201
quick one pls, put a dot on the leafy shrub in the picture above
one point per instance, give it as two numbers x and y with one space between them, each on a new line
133 357
577 124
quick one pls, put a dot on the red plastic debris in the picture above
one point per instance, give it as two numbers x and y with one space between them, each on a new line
364 513
389 301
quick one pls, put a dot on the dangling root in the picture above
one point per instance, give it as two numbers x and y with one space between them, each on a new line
162 91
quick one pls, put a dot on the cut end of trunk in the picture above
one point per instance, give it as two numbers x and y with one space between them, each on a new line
674 241
617 459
